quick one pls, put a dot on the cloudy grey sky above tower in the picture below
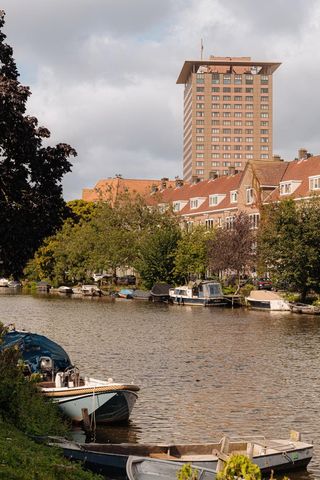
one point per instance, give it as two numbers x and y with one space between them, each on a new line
102 74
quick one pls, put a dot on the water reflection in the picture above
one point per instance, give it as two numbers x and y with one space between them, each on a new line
204 372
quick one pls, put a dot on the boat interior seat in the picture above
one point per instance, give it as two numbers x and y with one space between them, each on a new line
164 456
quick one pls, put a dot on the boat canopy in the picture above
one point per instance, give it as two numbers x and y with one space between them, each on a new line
33 346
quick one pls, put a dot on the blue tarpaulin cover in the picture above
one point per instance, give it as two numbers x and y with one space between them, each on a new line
33 346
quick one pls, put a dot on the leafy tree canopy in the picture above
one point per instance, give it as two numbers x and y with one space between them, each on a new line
289 244
31 202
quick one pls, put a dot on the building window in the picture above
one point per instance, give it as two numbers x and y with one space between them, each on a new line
199 122
237 114
209 223
264 147
215 78
227 139
215 139
200 89
249 79
264 90
249 195
238 131
215 122
226 106
194 203
249 139
238 123
285 188
264 79
200 97
200 77
199 155
249 131
238 139
215 106
226 89
234 196
176 206
226 130
227 98
227 114
249 148
249 123
249 90
249 98
237 147
229 221
264 131
200 106
215 130
264 123
215 114
215 89
237 164
215 98
199 130
238 106
226 122
199 147
238 79
213 200
215 147
200 171
226 79
227 147
314 183
264 107
249 106
199 114
237 89
264 155
200 138
226 164
264 139
199 164
237 98
264 99
254 219
249 114
249 156
215 164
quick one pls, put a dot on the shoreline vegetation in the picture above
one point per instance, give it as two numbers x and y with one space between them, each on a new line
25 414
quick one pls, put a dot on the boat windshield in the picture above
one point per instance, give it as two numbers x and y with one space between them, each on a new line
215 289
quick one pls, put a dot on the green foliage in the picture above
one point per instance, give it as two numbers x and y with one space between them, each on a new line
20 400
239 466
157 254
23 459
191 256
289 244
186 472
31 202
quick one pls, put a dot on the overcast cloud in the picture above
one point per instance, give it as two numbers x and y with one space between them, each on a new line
102 74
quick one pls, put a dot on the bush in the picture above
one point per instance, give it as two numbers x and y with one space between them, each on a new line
239 466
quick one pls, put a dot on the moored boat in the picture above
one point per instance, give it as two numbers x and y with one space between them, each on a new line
276 455
142 468
104 401
65 290
205 293
125 293
4 282
141 295
160 292
91 291
297 307
266 300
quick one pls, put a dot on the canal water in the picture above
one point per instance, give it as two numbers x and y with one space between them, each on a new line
203 372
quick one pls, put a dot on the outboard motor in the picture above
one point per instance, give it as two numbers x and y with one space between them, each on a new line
46 366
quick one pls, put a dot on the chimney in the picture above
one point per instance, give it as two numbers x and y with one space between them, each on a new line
164 182
302 153
154 188
213 175
195 179
232 170
178 182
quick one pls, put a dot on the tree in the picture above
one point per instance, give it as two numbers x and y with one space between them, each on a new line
156 255
191 256
31 202
289 244
233 248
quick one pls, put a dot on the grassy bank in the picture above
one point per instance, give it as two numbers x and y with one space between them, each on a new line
23 459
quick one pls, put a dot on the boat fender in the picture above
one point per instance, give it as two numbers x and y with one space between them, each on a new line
59 379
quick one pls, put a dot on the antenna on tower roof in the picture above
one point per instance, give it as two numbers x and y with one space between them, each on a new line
201 50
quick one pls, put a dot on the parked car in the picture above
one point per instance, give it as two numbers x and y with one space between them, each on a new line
264 284
127 280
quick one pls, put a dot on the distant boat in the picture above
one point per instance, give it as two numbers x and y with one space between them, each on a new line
160 292
296 307
4 282
275 454
91 291
141 295
65 290
14 284
266 300
125 293
43 287
205 293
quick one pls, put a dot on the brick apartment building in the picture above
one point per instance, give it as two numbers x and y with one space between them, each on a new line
227 114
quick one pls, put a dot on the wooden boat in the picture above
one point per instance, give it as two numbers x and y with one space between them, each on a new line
266 300
296 307
142 468
277 455
104 401
204 293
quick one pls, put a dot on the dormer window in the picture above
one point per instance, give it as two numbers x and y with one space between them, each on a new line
234 196
249 195
216 199
286 188
176 206
196 202
314 183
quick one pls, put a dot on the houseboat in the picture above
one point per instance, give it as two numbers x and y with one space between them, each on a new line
205 293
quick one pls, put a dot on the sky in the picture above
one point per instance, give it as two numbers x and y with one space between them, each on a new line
103 74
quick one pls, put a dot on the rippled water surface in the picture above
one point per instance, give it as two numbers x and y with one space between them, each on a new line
203 372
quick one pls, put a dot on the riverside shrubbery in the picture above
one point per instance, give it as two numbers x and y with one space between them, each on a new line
24 412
